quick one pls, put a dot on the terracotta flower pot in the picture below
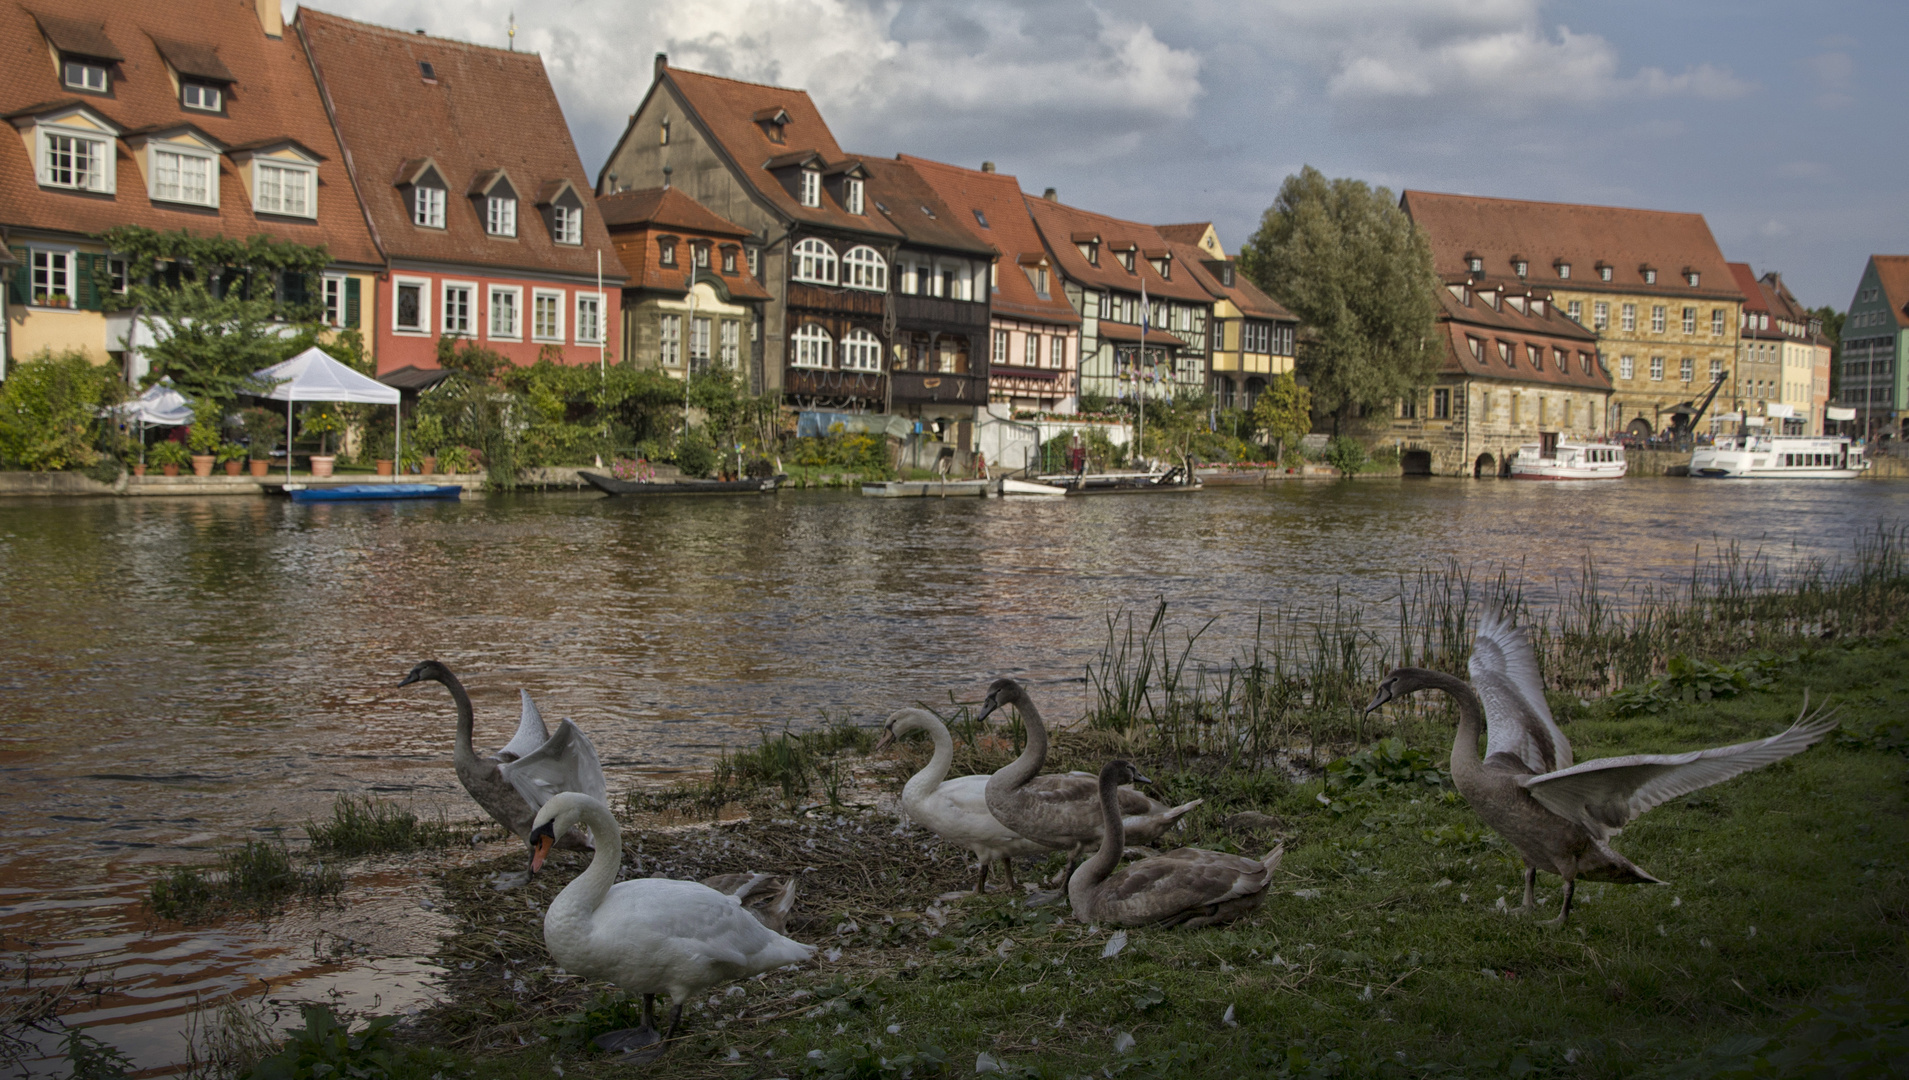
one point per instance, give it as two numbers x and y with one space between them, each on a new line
260 467
169 470
427 466
233 468
321 464
386 467
202 464
139 469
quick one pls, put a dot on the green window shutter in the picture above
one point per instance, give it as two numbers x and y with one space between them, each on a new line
21 291
351 303
85 285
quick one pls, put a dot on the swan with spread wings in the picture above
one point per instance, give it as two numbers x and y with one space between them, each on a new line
1559 815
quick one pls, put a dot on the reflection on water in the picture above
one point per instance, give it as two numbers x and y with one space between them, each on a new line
184 672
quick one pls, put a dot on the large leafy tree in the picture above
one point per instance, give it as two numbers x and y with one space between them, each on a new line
219 308
1358 273
1283 413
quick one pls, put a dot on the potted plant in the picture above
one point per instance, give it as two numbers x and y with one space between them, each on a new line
454 460
232 456
169 456
204 442
427 438
263 429
322 421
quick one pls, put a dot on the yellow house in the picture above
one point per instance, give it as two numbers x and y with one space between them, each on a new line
1652 285
1252 334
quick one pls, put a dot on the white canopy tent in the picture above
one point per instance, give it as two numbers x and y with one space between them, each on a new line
314 376
159 406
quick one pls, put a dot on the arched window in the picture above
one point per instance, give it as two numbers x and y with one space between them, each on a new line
815 262
812 347
861 350
864 268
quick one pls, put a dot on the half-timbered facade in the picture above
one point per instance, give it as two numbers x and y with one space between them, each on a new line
1252 334
1033 341
1105 266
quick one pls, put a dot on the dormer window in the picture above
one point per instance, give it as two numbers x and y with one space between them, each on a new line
500 215
1091 252
1691 278
566 224
666 251
1521 267
1564 270
74 150
1475 263
980 218
427 206
201 96
1126 260
772 120
699 253
280 187
729 259
1650 275
852 196
1162 266
811 193
1604 272
182 166
85 75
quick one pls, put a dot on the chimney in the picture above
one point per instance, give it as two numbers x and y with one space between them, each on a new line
1051 195
271 18
662 64
987 166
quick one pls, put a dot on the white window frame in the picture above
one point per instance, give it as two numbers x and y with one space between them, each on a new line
1627 320
331 294
492 307
70 271
814 262
864 268
468 328
1627 367
669 340
811 188
1687 370
1000 346
210 161
701 329
1690 320
811 347
583 323
427 206
853 197
66 69
423 328
567 222
1716 322
754 255
1659 319
731 355
206 90
861 351
554 297
1031 355
500 216
1057 351
1656 369
307 179
102 179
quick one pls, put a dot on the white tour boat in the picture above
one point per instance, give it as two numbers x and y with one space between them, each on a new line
1557 459
1761 456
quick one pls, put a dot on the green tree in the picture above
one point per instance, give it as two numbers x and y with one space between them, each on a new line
219 308
1832 320
1358 273
50 411
1283 413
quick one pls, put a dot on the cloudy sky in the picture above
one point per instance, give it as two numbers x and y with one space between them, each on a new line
1783 123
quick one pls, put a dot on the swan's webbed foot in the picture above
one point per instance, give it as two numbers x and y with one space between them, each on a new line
636 1045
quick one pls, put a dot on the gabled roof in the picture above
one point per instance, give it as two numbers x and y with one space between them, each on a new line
666 207
734 114
911 204
1009 230
488 114
272 98
1546 234
1892 272
1211 274
1553 330
1059 222
1746 279
194 59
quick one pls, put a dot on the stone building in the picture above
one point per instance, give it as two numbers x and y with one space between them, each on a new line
1515 367
690 301
1783 357
1875 348
1652 285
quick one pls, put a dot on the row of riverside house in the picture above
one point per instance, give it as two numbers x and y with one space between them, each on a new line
729 228
439 176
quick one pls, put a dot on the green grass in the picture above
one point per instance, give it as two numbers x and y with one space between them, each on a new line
1383 950
258 877
365 825
794 764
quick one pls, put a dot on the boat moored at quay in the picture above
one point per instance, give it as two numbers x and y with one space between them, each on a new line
1553 458
1758 456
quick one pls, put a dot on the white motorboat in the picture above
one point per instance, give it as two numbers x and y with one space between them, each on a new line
1755 455
1013 486
1554 458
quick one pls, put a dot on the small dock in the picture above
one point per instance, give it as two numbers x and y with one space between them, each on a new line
928 489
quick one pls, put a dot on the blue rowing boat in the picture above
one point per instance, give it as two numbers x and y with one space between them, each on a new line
366 492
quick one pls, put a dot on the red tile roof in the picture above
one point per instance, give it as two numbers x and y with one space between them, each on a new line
1746 279
637 218
1059 223
728 110
1518 330
1893 273
1009 230
488 110
1208 271
1189 233
271 98
901 194
668 207
1545 234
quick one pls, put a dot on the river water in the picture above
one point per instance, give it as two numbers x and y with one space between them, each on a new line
181 673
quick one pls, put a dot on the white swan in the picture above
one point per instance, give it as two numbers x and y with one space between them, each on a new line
955 810
649 936
767 897
533 766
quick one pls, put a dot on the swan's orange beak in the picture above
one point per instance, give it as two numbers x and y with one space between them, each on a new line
541 842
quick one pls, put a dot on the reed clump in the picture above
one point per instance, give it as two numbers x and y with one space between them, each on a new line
365 825
791 764
258 877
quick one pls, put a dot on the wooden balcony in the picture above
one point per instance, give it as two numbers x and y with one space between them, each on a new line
936 313
823 298
808 382
930 388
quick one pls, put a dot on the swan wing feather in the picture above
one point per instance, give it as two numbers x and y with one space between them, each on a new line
957 811
1504 671
1184 879
1606 794
531 732
567 761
